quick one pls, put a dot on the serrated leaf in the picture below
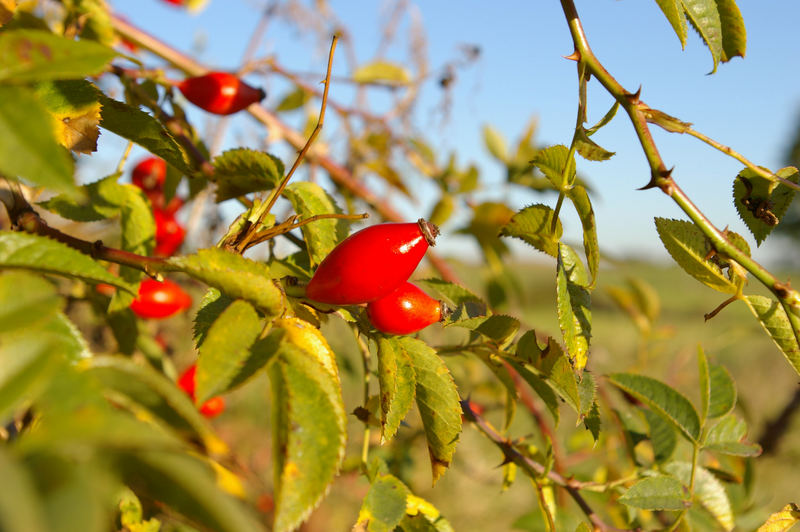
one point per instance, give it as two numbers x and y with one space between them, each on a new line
235 276
422 516
657 493
542 389
583 205
688 246
574 306
722 398
20 508
438 403
384 72
589 149
662 436
225 349
499 329
34 55
663 399
707 489
187 485
673 10
557 369
384 505
534 225
309 436
495 143
211 306
782 521
727 437
704 17
762 203
591 420
137 126
734 35
75 109
773 318
397 382
34 252
455 294
29 148
321 236
241 171
557 165
293 100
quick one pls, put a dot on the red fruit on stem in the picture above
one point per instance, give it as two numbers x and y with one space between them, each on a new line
156 198
371 263
220 93
158 300
149 174
169 234
186 382
406 310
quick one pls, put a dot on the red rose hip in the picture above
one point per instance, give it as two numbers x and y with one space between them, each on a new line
406 310
371 263
220 93
149 174
158 300
186 382
169 234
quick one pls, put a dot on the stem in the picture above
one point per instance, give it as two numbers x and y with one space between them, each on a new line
364 348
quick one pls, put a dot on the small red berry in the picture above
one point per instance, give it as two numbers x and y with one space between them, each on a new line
105 289
220 93
186 382
157 300
149 174
406 310
371 263
169 234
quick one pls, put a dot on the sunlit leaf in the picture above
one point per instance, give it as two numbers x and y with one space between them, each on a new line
495 143
727 437
723 392
583 205
707 489
704 17
321 236
773 318
534 225
782 521
762 203
657 493
673 10
294 99
384 505
589 149
574 306
75 109
734 35
382 72
556 164
397 381
240 171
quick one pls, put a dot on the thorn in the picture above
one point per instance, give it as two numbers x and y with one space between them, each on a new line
574 56
634 98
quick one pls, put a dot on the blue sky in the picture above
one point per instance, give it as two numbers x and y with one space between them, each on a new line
751 105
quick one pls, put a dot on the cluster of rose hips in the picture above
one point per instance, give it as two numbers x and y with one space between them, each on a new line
372 266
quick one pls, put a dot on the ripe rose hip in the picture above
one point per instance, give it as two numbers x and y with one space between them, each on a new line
220 93
186 382
169 234
149 174
371 263
158 300
406 310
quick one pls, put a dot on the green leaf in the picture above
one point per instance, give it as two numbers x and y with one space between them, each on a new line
75 109
495 143
542 389
241 171
606 118
384 505
592 421
235 276
557 165
773 318
673 10
662 436
762 203
589 149
293 100
704 17
574 306
20 508
663 399
26 301
580 199
707 489
558 371
29 149
688 247
137 126
499 329
734 35
321 236
186 485
705 384
455 294
309 435
29 362
657 493
438 403
782 521
727 437
723 392
33 252
422 516
33 55
225 349
397 382
534 225
383 72
211 306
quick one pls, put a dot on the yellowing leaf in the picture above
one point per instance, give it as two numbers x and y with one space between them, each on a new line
782 521
382 72
309 339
